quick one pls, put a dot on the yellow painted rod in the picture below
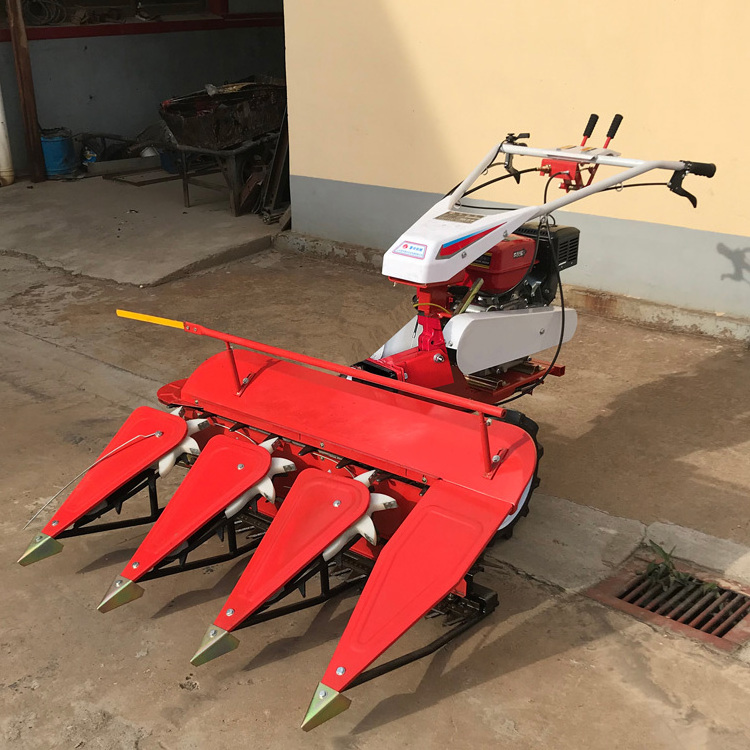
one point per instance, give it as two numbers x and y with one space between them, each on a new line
151 319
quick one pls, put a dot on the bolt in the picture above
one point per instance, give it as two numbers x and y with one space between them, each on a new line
505 232
322 445
245 380
54 523
240 466
39 538
340 671
118 584
322 694
336 503
196 402
496 459
424 478
406 376
158 433
541 331
439 358
230 612
212 633
135 565
488 421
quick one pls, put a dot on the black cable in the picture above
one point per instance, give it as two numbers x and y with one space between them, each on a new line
487 208
544 222
498 179
489 182
43 12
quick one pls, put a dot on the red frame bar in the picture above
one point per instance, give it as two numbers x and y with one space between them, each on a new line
447 399
210 23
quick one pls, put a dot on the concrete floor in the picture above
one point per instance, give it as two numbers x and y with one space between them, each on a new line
646 425
135 235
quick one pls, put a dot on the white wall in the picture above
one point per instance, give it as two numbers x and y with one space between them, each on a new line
406 97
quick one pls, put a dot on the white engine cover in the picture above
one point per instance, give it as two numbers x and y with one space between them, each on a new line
487 339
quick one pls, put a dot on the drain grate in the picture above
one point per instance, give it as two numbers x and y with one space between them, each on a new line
700 605
694 604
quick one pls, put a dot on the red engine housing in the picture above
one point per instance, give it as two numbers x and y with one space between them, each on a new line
504 265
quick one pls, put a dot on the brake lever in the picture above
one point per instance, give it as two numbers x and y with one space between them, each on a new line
508 163
675 185
510 169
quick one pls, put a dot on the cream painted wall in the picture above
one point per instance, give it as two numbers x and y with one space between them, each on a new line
410 94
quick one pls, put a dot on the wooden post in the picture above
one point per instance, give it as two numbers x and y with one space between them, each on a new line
26 89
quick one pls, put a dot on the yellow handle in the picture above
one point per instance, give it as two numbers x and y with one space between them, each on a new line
151 319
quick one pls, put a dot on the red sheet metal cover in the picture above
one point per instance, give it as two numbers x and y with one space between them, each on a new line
227 467
317 510
139 448
430 553
383 429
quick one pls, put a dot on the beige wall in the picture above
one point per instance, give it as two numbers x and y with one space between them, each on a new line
411 93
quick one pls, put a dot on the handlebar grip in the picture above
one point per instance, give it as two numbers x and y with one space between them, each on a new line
590 125
612 132
701 168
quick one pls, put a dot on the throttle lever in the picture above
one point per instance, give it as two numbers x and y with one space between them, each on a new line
589 129
613 128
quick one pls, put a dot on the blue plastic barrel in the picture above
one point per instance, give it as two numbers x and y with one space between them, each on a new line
59 153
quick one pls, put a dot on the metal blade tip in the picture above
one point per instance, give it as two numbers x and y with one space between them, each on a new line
122 591
216 642
325 704
42 545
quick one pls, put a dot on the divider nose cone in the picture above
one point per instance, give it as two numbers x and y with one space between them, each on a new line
122 591
325 704
216 642
42 545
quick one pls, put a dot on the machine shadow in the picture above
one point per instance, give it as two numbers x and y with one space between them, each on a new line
646 455
109 558
740 260
218 590
499 647
325 626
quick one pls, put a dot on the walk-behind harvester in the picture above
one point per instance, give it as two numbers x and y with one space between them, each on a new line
390 477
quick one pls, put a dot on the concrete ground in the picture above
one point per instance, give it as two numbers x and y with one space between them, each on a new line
136 235
647 425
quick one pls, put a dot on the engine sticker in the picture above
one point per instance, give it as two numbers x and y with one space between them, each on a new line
411 249
460 217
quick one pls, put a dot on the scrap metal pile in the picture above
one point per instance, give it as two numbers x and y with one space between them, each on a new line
390 477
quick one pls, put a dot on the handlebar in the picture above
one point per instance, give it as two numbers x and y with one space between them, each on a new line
700 168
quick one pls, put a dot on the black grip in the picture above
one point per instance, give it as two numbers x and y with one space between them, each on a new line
612 132
590 125
701 168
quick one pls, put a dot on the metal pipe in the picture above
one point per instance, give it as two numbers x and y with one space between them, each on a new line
7 175
415 390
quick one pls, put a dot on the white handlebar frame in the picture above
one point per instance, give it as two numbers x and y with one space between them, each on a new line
635 167
416 256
